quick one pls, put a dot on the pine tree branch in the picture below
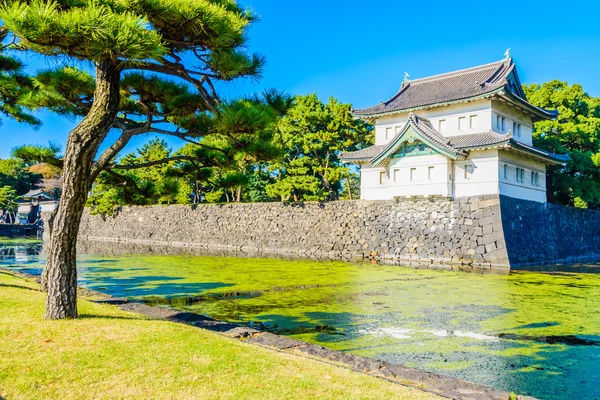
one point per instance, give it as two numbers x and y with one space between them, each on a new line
152 163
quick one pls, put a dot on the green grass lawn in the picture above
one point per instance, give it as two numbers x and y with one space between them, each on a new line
112 354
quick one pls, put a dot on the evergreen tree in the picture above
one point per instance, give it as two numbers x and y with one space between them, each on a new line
313 135
15 174
576 131
138 50
14 84
8 204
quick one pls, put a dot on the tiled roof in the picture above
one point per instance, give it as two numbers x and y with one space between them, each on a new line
36 193
453 86
364 154
559 158
478 140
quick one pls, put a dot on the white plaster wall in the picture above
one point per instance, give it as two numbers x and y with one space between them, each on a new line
448 177
398 181
527 190
512 114
483 180
451 114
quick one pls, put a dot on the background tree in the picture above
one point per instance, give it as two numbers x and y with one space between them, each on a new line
141 186
576 131
8 204
15 173
240 146
129 43
313 135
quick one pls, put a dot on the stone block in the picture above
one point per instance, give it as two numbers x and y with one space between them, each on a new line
492 238
487 229
490 247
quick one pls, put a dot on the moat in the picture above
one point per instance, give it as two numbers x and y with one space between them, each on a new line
535 333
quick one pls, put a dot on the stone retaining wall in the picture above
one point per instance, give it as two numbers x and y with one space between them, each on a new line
429 232
18 230
549 234
494 232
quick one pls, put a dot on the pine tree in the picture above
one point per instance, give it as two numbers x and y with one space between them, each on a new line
155 66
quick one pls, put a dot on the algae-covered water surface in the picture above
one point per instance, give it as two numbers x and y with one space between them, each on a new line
528 332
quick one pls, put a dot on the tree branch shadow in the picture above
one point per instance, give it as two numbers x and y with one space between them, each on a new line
94 316
2 285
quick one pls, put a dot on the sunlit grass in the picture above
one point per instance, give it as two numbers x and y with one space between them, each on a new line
108 353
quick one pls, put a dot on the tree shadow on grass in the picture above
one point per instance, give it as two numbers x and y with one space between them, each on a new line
4 285
95 316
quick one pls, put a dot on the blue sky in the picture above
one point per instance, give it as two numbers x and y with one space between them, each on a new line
358 51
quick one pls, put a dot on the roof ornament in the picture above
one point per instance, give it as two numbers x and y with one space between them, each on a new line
406 78
507 53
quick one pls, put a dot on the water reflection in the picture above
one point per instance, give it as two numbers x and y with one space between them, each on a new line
528 332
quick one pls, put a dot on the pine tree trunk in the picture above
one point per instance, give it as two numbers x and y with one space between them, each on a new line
60 273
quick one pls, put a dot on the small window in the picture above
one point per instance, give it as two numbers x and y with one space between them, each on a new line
514 129
468 171
430 173
413 174
472 121
533 178
505 171
382 178
503 121
520 175
518 130
498 122
442 125
398 128
388 133
462 123
396 175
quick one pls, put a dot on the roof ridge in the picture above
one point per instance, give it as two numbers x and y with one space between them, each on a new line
457 72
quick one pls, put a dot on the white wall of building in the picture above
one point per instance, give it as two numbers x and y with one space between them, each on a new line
532 187
512 116
458 119
483 172
425 175
476 175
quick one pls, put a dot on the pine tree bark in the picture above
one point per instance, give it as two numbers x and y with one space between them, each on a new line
60 273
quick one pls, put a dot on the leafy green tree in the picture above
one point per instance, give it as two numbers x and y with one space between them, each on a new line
8 203
313 135
155 65
576 131
15 174
140 186
238 148
257 184
14 84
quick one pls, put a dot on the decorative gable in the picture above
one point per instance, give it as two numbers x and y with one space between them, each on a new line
413 149
417 135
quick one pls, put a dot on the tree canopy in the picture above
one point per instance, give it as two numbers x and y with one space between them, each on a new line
312 136
576 131
155 63
15 174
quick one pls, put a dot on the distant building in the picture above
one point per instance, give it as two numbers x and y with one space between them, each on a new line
463 133
33 204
